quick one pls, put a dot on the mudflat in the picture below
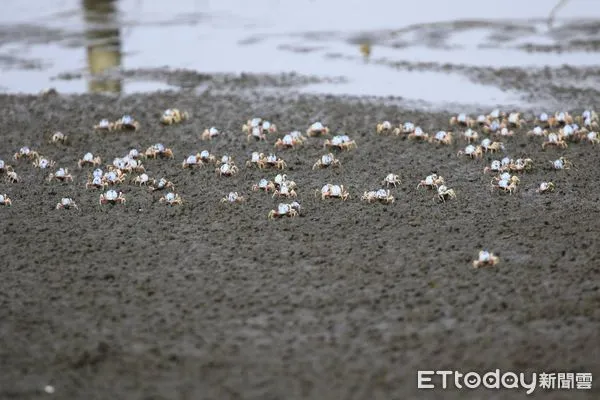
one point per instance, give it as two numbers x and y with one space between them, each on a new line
347 301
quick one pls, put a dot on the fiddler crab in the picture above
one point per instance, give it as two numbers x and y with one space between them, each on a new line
485 259
126 164
158 150
256 159
561 163
233 197
142 180
112 197
514 120
505 132
171 199
391 180
281 179
462 120
408 127
560 119
333 191
442 137
26 153
210 133
520 165
495 166
5 200
505 183
67 203
289 141
592 137
262 125
127 123
431 181
96 182
43 163
105 125
381 195
471 151
12 177
493 127
114 177
470 135
274 161
173 116
161 184
58 137
4 167
134 154
418 134
265 185
61 175
385 128
554 140
256 133
317 129
192 161
340 142
488 145
284 191
206 157
285 210
537 131
89 159
546 187
444 193
226 169
326 160
589 119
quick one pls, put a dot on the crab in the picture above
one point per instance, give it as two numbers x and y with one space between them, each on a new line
317 129
442 137
89 159
257 134
381 195
285 210
488 145
444 193
192 161
114 177
161 184
418 134
4 167
233 197
226 169
462 120
274 161
127 123
560 119
112 197
27 153
265 185
134 154
561 163
470 135
134 165
542 120
5 200
505 183
43 163
142 179
554 140
520 164
173 116
264 126
67 203
12 177
485 258
227 159
471 151
589 119
568 132
505 132
296 135
592 137
171 199
431 181
546 187
98 173
514 120
58 137
96 182
340 142
407 127
333 191
385 127
285 191
206 157
158 150
256 159
105 125
326 160
281 179
210 133
287 142
492 127
62 175
391 179
537 131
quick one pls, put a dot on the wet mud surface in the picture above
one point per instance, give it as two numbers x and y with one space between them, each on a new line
347 301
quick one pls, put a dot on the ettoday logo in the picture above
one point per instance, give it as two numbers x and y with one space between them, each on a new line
473 380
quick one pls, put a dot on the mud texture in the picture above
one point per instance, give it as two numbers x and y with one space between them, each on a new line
348 301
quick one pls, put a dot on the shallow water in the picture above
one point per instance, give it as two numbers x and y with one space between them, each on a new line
311 37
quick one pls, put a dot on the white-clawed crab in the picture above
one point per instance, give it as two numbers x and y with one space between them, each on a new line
4 167
61 175
96 182
26 153
495 166
89 159
340 142
58 137
442 137
171 199
493 127
384 128
462 120
233 197
105 125
333 191
256 160
127 123
589 119
391 180
226 169
257 134
470 135
43 163
407 128
5 200
554 140
114 177
158 150
561 163
281 179
207 158
520 165
537 131
317 129
132 165
488 145
569 132
284 191
287 142
505 183
444 193
134 154
485 259
143 180
505 132
327 160
592 137
273 161
112 197
545 187
173 116
161 184
471 151
192 161
263 125
431 181
381 195
264 185
560 118
513 120
543 120
66 203
418 134
285 210
210 133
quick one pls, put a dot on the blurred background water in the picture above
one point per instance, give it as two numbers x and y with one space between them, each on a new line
414 49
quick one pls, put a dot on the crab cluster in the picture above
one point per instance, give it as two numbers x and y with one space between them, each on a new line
125 123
